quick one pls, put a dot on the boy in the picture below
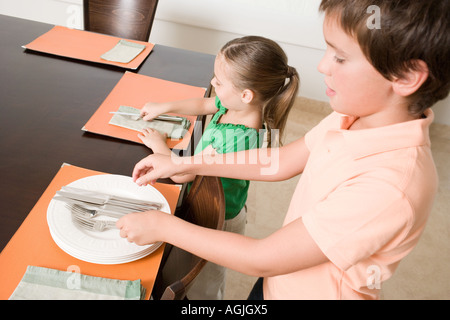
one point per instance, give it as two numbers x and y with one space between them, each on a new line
368 178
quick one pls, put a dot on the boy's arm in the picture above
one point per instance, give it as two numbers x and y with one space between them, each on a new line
196 106
287 250
273 164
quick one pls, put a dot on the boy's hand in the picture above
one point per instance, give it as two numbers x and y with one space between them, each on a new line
154 167
142 228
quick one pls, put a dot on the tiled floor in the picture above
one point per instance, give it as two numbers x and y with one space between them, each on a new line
424 274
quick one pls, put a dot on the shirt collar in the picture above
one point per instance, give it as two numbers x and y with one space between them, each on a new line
377 140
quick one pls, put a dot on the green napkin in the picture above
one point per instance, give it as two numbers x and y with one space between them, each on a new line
124 51
49 284
174 130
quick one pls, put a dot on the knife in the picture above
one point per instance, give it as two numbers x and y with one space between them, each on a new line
125 113
162 117
105 199
105 196
107 209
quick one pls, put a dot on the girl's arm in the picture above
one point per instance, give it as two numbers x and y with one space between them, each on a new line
287 250
273 164
196 106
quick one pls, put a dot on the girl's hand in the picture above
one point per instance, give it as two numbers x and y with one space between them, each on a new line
151 110
154 140
143 228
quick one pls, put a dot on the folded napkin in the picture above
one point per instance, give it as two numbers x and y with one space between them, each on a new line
124 51
174 130
49 284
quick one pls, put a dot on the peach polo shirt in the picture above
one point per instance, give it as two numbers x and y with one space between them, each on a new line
364 197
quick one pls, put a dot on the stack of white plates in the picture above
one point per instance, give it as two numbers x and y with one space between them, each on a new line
105 247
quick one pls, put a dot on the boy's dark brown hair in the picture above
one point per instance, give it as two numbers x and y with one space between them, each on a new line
409 30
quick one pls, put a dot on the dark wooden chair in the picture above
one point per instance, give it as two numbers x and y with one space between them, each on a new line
204 205
131 19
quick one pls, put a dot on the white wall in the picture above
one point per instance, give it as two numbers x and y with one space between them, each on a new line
206 25
58 12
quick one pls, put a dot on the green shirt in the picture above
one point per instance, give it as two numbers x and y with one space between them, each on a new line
226 138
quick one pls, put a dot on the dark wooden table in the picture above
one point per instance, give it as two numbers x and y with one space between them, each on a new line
45 101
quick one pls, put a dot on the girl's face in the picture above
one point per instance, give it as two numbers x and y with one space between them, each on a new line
354 86
229 95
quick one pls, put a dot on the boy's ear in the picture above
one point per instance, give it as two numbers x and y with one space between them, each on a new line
412 79
247 96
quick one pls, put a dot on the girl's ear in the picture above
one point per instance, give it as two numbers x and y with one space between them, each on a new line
247 96
412 80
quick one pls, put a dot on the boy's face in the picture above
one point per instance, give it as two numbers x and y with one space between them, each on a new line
353 84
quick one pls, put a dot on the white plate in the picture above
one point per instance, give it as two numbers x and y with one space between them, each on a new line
105 247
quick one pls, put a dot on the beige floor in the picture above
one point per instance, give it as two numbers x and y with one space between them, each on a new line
424 274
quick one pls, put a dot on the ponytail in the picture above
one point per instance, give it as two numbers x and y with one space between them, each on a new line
276 110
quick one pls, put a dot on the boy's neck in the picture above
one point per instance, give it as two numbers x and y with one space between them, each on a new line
382 119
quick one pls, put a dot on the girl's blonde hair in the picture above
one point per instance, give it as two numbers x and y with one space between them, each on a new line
261 66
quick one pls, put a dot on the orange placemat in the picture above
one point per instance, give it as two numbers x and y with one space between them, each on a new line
84 45
135 90
32 244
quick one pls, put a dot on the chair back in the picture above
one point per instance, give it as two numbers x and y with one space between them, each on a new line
130 19
204 205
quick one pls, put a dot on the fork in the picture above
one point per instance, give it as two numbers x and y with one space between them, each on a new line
92 213
92 224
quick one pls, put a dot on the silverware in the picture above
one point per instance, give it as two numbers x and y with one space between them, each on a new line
61 195
104 209
124 113
92 224
134 116
163 117
92 213
103 199
106 196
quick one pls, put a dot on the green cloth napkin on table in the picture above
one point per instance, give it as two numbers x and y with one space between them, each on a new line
124 51
49 284
174 130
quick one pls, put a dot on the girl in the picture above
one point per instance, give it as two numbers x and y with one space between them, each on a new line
255 87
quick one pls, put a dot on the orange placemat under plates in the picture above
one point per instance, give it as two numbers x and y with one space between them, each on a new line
33 245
